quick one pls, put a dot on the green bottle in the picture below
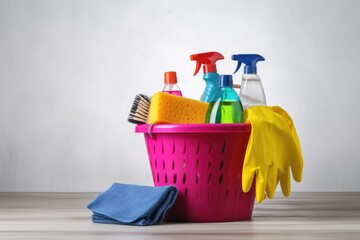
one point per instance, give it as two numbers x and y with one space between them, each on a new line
225 106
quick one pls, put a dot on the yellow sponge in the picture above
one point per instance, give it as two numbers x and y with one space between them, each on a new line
168 108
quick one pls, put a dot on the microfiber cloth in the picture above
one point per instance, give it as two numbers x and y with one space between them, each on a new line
132 204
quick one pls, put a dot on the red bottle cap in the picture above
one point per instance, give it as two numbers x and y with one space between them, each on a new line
170 77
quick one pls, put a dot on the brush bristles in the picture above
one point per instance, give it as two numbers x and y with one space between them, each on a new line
140 109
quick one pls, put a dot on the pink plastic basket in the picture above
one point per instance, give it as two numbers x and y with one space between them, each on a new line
204 162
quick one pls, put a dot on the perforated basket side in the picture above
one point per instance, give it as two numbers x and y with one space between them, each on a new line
206 168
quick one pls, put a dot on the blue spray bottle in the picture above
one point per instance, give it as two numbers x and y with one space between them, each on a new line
251 90
211 77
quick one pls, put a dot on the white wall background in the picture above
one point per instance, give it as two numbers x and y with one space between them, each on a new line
69 71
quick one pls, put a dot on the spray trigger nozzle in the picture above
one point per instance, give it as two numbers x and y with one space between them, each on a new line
238 64
250 61
208 59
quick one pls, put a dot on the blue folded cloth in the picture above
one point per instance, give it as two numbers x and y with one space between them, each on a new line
132 204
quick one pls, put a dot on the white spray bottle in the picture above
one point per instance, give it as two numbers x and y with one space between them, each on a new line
251 90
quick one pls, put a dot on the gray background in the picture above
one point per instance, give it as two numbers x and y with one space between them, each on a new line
69 71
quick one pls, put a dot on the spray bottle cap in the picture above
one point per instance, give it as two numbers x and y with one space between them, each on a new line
249 60
208 59
170 77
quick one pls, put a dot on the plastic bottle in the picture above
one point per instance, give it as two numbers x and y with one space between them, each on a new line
211 77
171 86
225 107
251 90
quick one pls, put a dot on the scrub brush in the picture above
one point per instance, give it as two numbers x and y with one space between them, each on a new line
140 109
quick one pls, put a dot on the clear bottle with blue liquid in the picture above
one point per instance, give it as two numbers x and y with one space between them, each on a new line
225 106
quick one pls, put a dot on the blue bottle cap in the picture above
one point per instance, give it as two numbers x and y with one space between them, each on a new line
226 81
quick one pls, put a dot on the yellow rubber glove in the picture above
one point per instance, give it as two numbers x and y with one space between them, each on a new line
272 150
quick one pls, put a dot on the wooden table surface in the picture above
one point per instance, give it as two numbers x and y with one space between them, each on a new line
64 215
